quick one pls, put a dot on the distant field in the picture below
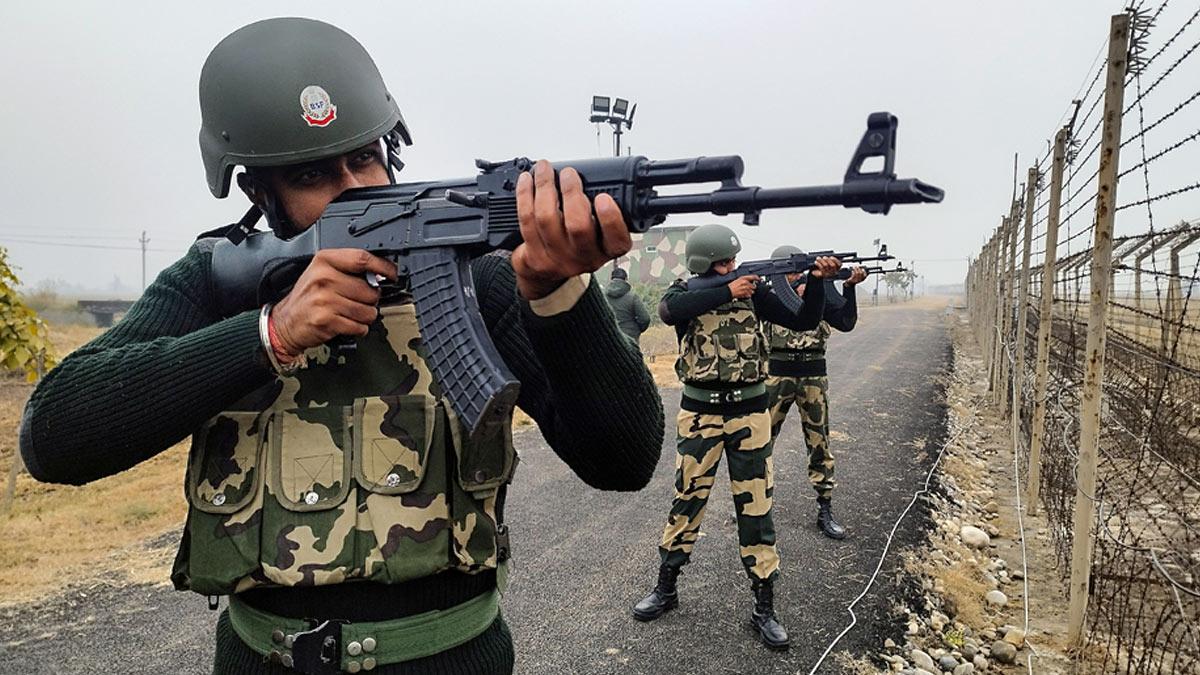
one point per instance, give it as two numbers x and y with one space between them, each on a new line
1144 323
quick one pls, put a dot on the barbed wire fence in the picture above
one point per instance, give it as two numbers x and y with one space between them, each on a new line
1084 303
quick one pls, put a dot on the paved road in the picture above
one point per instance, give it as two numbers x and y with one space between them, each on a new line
583 557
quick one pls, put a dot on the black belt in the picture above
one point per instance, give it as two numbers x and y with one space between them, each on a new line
357 601
798 354
785 368
724 398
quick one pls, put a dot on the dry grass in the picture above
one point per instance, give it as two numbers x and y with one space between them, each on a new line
965 585
53 534
68 338
854 666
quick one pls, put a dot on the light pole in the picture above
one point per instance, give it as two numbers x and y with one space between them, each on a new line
882 248
619 116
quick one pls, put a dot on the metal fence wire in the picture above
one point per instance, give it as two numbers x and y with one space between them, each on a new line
1142 575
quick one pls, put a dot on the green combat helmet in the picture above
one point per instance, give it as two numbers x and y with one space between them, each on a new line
288 90
708 244
785 251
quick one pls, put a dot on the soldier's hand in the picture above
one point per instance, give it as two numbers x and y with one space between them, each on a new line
826 267
856 276
563 242
743 287
331 298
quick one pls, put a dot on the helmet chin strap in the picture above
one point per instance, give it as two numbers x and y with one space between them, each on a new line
265 205
392 142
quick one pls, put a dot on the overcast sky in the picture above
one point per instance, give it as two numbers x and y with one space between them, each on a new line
101 122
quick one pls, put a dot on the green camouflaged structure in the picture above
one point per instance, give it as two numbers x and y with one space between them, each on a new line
353 468
656 256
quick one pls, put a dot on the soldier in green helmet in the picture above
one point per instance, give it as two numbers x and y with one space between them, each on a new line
334 497
797 377
723 410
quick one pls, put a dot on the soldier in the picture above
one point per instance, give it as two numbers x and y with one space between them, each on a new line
797 376
723 363
337 500
631 314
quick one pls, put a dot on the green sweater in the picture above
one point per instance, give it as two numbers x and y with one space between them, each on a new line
173 362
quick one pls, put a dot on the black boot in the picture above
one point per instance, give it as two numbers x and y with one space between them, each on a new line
825 520
662 599
773 634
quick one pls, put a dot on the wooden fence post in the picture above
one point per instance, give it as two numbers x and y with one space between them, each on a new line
1023 301
1101 275
1045 323
998 306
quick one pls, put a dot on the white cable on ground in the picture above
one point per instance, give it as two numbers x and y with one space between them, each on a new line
1020 515
886 547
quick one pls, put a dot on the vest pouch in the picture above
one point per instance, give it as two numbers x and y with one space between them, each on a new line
224 487
224 469
482 469
700 359
402 465
392 440
309 515
741 357
487 464
313 447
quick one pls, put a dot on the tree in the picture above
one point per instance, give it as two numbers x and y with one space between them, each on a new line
23 334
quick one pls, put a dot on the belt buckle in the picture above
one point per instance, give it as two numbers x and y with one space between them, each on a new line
732 396
318 651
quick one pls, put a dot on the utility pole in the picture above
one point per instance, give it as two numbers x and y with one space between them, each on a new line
143 241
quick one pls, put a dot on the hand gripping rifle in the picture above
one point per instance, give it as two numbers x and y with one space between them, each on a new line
433 229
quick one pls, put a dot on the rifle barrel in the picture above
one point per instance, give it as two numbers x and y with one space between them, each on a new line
742 199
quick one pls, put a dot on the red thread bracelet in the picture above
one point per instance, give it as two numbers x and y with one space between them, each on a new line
280 355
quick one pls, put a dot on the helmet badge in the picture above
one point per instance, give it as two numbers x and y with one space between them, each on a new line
733 240
316 107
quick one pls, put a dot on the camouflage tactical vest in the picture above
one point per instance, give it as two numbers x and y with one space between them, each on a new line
352 469
786 339
723 345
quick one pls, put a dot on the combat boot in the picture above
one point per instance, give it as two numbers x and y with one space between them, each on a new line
662 599
773 634
825 519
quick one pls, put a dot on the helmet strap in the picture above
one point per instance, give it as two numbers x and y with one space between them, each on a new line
391 145
265 201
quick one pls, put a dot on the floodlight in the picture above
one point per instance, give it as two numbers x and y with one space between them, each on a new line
620 107
600 105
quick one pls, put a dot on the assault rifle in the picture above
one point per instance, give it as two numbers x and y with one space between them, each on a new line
775 270
432 230
844 273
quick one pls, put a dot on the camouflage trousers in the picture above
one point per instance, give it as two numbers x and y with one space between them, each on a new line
746 440
810 395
